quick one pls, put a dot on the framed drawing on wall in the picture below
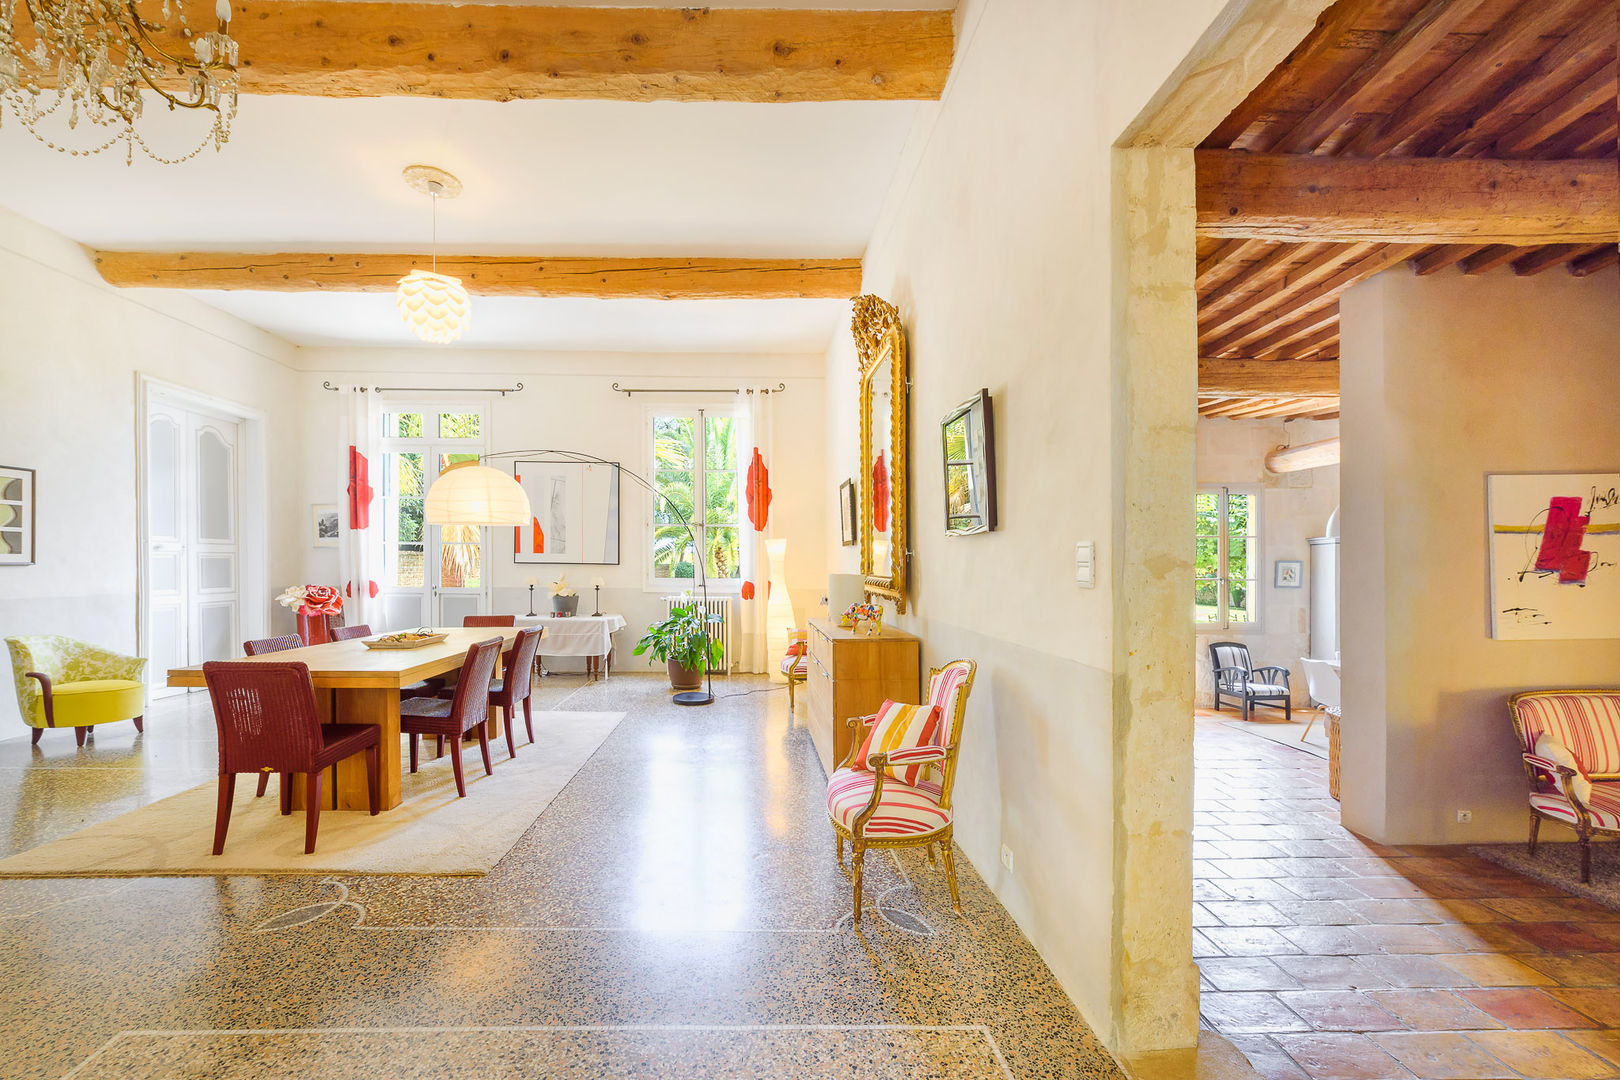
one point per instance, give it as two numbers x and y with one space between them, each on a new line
1289 574
1554 542
16 516
847 513
576 512
325 525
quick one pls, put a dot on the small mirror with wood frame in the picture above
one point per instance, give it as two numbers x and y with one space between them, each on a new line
968 442
885 439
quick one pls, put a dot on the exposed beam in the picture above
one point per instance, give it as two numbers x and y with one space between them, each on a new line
496 52
1436 259
1548 257
490 275
1323 295
1489 259
1601 259
1407 200
1267 378
1591 94
1313 455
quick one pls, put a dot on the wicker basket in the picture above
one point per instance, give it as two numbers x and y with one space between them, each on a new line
1333 756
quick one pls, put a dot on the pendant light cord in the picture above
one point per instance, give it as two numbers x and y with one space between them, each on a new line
435 232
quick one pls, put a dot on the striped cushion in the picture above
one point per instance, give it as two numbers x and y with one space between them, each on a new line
904 811
795 665
943 690
1604 806
900 727
1588 724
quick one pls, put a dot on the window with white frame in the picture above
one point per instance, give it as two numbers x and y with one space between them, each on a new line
695 453
418 443
1226 558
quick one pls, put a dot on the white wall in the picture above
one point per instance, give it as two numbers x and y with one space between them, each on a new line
996 247
1445 379
70 350
1293 508
568 403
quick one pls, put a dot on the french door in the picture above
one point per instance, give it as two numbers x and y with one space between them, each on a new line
432 575
193 539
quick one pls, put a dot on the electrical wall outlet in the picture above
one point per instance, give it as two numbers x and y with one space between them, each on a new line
1006 857
1085 563
1465 817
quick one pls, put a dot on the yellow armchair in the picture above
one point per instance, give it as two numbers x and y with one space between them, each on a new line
63 683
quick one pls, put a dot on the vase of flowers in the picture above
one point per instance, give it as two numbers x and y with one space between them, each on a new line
564 600
315 606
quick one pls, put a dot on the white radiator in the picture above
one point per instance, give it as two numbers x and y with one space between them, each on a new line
719 608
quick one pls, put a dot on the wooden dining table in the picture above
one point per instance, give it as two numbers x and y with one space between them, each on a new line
363 688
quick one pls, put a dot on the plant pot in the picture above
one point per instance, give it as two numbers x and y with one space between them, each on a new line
565 605
315 629
681 678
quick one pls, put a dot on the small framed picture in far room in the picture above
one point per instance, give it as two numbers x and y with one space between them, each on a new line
846 513
1290 574
16 516
325 525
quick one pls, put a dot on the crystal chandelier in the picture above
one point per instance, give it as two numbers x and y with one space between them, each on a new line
433 305
94 61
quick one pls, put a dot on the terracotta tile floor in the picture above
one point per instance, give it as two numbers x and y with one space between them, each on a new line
1326 956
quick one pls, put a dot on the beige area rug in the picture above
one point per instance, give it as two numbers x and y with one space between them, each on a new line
430 832
1283 733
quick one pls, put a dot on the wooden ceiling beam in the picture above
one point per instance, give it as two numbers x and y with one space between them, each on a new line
1406 200
1502 51
1281 297
1376 75
1327 336
1245 378
502 52
1601 259
1437 259
1489 258
1269 267
490 275
1282 336
1548 257
1596 90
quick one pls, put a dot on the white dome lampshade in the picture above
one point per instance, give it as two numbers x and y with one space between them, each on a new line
473 494
434 306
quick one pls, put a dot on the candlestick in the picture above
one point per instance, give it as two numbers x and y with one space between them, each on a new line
531 583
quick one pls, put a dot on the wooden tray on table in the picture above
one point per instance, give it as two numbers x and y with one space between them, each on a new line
408 643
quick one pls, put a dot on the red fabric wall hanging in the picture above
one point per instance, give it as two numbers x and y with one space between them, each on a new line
758 491
880 495
360 492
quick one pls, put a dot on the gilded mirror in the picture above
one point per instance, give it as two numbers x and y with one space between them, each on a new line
885 437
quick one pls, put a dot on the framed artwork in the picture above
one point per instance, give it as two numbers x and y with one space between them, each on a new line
16 516
847 513
968 441
325 522
1288 574
1555 555
576 513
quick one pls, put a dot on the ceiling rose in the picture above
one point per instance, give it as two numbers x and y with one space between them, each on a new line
434 306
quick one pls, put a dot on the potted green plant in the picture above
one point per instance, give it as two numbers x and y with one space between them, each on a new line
683 643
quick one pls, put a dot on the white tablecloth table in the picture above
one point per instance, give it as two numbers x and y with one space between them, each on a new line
590 636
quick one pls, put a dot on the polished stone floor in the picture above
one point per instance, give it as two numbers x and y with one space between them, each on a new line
676 912
1326 956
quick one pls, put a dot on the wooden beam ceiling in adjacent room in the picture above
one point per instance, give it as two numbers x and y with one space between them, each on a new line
491 275
503 52
1455 136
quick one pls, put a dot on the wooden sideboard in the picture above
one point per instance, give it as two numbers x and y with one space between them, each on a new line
852 675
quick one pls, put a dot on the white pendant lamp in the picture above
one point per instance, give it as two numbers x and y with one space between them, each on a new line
473 494
434 306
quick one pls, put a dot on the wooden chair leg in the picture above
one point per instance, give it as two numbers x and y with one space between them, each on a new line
415 739
37 733
928 849
528 716
950 872
455 765
222 815
790 694
1535 830
264 784
373 780
312 809
438 747
286 793
483 747
857 864
839 839
140 724
1308 726
507 715
79 733
1288 709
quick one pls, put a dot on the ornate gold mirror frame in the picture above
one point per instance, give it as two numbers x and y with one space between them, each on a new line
880 337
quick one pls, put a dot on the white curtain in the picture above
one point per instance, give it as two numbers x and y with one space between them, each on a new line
756 530
360 463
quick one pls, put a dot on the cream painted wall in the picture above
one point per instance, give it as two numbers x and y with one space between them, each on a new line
568 403
1444 380
70 352
1293 508
996 245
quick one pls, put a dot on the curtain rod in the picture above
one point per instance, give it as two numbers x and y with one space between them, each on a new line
781 388
501 390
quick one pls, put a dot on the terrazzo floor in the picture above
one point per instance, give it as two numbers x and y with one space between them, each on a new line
1330 957
676 912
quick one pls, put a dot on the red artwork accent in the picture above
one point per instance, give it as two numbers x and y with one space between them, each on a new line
748 590
374 589
517 530
539 537
880 495
360 492
758 490
1561 540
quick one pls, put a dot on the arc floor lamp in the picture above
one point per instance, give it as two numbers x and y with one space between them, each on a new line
473 493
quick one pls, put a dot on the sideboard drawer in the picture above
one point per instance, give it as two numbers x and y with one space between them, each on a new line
852 675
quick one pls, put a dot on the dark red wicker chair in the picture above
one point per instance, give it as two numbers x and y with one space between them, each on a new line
349 633
261 646
453 717
506 693
489 620
268 723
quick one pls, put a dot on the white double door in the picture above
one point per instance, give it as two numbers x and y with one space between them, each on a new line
432 575
193 558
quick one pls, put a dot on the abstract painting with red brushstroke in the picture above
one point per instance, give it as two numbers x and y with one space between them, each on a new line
1555 555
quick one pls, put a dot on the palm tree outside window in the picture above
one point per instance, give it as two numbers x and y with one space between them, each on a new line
695 458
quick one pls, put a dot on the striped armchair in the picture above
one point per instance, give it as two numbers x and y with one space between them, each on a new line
1570 743
796 662
872 810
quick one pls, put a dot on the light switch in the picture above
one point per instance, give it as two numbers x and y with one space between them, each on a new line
1085 563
